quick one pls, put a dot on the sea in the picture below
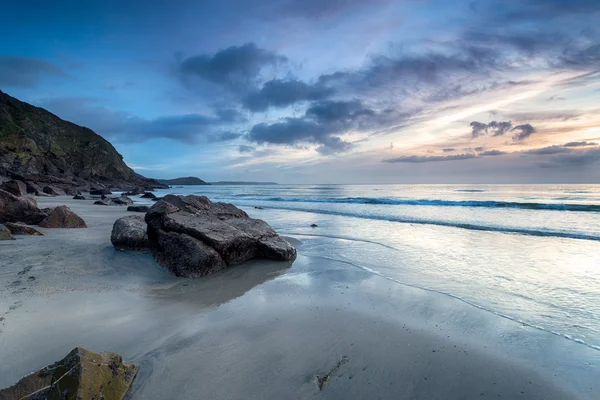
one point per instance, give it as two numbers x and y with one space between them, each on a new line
528 253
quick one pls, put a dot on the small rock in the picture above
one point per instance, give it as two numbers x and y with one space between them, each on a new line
121 201
17 228
33 188
148 195
138 208
259 208
5 233
129 233
63 217
80 197
313 225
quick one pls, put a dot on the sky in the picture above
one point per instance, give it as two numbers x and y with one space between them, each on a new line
321 91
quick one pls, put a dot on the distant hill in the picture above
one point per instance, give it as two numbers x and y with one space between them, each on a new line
188 180
242 183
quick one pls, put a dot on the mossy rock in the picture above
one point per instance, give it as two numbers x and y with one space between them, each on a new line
81 375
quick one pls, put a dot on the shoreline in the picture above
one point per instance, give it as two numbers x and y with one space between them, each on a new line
264 330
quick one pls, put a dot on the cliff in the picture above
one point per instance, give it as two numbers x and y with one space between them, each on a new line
35 142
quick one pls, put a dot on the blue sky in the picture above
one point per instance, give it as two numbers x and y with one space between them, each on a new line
321 91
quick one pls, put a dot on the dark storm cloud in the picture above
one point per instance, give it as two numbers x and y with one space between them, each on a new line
523 131
321 124
449 150
282 93
580 144
494 128
233 66
18 71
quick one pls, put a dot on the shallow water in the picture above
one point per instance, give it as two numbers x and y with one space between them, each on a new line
526 253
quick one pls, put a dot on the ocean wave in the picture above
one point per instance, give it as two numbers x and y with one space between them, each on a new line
451 224
470 190
436 203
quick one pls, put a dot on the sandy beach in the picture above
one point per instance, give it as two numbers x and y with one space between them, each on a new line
318 328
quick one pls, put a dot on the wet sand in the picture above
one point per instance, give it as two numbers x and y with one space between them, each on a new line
266 330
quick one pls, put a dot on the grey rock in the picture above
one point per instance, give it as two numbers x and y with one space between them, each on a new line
129 233
121 201
5 233
138 208
148 195
33 188
80 197
23 208
193 236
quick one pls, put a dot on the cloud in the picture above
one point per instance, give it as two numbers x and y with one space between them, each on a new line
235 66
580 144
549 150
572 159
449 150
243 148
494 128
321 124
523 132
492 153
414 159
124 127
16 71
426 159
282 93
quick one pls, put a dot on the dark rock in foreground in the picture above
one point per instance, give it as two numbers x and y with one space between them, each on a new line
5 233
14 209
193 236
15 187
129 233
82 374
114 201
138 208
63 217
17 228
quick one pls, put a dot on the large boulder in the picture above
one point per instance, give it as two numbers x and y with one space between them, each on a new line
129 233
63 217
15 187
82 374
5 233
138 208
18 228
53 191
23 208
193 236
